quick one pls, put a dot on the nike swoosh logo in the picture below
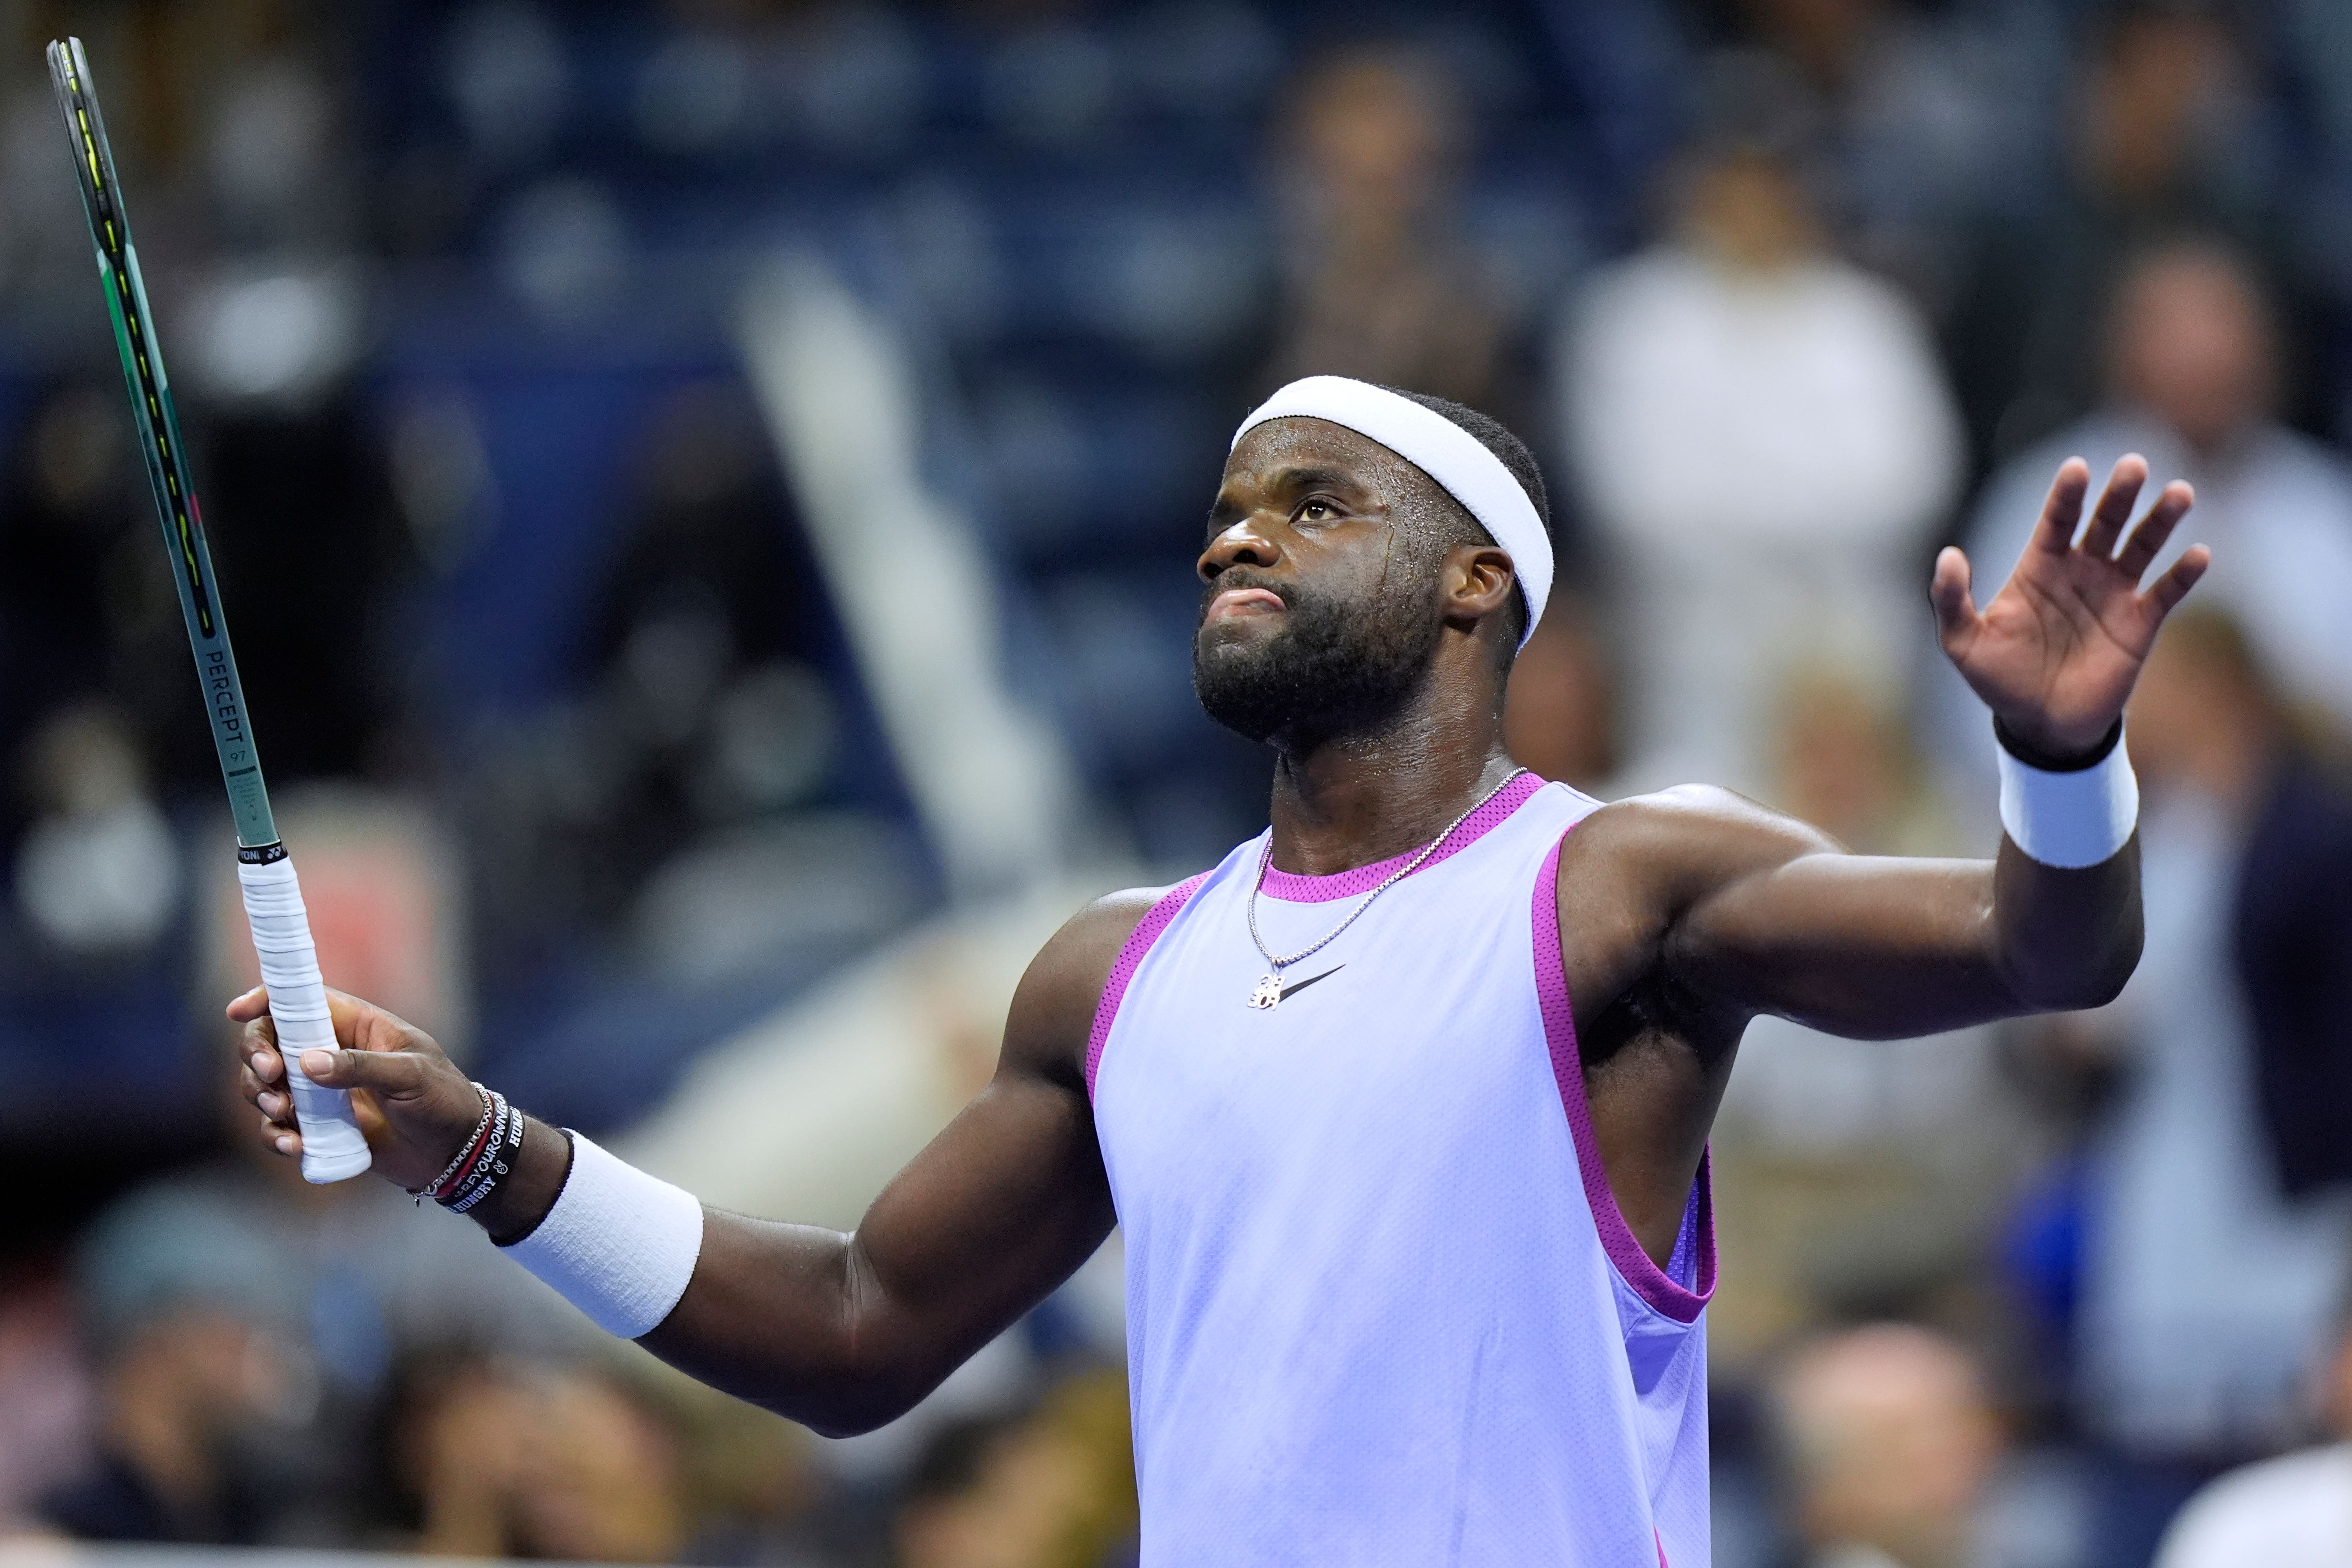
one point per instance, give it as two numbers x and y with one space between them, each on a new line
1296 986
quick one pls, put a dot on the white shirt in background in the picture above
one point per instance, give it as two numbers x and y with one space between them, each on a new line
1764 455
2208 1294
2289 1513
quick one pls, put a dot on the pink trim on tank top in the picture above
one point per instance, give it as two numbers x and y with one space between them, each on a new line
1649 1281
1294 887
1130 958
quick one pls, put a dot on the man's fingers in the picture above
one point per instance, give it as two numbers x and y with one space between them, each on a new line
2113 514
271 1102
260 1054
1956 611
254 1003
2169 590
2153 529
258 1050
394 1073
2063 507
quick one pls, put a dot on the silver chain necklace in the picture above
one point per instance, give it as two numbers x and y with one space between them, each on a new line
1268 991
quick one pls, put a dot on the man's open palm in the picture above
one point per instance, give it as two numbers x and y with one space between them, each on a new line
2056 652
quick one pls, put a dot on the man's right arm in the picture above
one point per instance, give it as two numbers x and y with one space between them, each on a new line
839 1332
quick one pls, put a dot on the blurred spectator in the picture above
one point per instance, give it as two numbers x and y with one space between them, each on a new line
1055 1489
2157 140
2208 1278
98 873
2287 1512
244 1323
2193 374
756 1492
1377 283
1891 1445
1764 443
498 1458
192 1319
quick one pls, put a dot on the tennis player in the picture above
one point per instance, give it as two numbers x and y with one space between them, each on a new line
1404 1103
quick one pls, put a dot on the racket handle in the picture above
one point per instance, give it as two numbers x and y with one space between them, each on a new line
333 1148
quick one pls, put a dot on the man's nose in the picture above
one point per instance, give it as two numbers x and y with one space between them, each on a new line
1241 544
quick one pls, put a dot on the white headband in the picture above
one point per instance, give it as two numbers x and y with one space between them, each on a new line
1457 460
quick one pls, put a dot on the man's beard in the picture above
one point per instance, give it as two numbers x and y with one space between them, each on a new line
1334 670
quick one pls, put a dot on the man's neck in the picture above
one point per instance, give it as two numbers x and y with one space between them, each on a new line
1359 799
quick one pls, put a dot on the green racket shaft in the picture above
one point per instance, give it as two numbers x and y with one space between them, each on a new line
332 1147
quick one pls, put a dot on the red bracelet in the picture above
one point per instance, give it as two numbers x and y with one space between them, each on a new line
438 1183
473 1155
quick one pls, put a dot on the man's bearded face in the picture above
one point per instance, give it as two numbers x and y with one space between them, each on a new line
1336 666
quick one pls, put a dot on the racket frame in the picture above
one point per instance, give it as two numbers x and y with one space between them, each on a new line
166 454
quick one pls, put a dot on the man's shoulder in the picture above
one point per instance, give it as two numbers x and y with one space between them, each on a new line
1054 1008
1687 817
1097 933
1661 849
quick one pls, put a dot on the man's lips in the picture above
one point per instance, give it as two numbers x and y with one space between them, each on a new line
1236 602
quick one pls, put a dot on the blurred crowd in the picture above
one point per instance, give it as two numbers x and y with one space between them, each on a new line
706 494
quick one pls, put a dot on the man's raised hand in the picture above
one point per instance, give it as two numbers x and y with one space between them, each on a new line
415 1105
2056 652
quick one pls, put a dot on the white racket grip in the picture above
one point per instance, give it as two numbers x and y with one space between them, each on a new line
332 1147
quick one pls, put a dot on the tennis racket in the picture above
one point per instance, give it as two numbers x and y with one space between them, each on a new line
332 1147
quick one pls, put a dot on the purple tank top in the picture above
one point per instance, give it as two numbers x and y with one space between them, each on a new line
1382 1308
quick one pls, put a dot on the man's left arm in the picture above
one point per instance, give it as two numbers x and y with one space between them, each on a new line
1780 920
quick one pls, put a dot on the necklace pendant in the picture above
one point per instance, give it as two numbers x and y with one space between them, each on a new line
1268 994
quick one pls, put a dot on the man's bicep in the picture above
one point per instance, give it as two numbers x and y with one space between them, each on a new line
1001 1208
1763 913
1012 1196
1862 945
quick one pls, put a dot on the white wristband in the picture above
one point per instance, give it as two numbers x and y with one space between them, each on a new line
2072 819
618 1243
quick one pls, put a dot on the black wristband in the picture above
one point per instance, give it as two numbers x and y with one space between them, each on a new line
2050 764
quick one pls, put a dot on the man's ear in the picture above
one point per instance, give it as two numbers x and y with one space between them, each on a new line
1479 581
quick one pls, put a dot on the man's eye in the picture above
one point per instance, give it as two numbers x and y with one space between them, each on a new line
1318 511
